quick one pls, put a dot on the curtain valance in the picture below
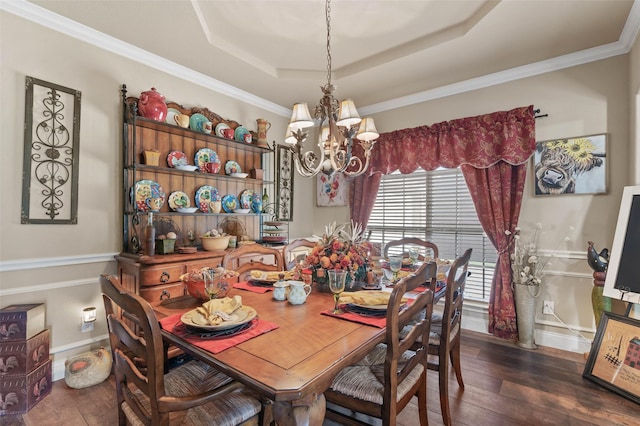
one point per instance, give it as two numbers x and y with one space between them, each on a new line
480 141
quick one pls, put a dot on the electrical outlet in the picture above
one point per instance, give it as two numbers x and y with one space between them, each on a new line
86 326
547 307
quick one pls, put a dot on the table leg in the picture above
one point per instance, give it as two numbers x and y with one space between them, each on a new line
306 412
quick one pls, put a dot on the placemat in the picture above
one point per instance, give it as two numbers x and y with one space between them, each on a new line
215 346
244 285
380 322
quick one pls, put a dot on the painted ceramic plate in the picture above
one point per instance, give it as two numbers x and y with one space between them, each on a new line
179 199
177 158
204 156
242 315
230 203
171 114
195 122
204 196
220 127
246 198
239 133
232 167
146 190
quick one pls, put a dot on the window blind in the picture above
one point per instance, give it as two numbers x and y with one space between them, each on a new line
435 206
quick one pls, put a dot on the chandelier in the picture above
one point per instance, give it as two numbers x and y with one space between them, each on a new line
339 124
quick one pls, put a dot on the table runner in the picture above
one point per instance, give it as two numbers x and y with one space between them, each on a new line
244 285
219 345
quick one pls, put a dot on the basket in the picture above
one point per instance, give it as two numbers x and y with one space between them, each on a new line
152 158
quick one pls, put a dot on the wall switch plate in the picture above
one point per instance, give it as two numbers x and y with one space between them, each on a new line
86 326
547 307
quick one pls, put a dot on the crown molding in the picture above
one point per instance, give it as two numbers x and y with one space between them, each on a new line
74 29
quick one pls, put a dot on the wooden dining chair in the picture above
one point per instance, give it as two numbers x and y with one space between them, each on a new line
192 393
412 241
251 257
444 339
386 379
295 251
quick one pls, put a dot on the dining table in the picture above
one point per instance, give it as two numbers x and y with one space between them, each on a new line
293 363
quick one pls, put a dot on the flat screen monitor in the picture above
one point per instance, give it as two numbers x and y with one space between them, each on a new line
623 272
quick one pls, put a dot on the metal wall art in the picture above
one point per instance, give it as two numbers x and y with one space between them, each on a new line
51 152
284 183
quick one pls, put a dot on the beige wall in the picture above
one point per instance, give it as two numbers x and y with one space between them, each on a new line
58 264
634 112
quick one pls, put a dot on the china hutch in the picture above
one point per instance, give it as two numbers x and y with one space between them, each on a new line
150 151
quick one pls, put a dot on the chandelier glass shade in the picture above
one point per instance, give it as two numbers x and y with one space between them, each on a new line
340 124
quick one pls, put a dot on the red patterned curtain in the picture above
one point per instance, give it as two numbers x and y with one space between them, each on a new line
493 150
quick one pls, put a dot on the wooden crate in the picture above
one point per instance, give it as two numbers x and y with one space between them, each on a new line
24 356
21 322
21 392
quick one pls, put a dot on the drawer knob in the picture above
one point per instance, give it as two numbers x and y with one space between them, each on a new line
164 278
165 295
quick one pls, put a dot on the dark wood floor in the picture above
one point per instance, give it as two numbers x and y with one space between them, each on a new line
504 385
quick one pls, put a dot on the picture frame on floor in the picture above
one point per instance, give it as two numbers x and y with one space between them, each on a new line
614 360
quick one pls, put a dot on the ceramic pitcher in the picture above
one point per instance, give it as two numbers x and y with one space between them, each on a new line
298 292
263 126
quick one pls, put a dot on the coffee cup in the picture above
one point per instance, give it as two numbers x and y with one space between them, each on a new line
154 204
181 120
207 127
215 206
228 133
247 137
212 167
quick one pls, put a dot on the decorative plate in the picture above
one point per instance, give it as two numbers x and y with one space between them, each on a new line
240 132
232 167
177 158
246 198
171 114
204 156
274 238
204 196
196 120
230 203
220 127
145 190
242 315
179 199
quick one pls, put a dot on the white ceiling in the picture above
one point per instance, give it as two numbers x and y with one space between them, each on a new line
385 53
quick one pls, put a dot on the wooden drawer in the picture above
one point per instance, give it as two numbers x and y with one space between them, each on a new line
164 274
205 263
158 293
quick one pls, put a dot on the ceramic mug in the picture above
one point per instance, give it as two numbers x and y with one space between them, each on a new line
207 127
247 137
215 206
228 133
280 290
181 120
212 167
154 204
298 292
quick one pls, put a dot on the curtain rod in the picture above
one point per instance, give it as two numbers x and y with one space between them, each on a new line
537 111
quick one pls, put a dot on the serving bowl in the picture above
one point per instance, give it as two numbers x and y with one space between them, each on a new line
239 175
242 211
186 209
215 243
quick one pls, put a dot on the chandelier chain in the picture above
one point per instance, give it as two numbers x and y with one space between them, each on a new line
328 15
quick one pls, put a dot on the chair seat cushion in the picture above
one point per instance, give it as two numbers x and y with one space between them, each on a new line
197 377
365 379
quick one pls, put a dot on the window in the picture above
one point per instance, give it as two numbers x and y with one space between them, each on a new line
435 206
